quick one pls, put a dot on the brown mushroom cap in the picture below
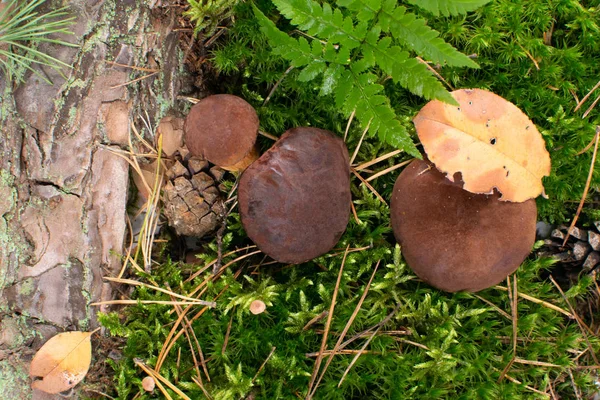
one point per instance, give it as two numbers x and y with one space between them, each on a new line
295 200
455 240
222 129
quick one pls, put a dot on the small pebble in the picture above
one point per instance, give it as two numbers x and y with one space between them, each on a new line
594 240
581 249
591 261
543 230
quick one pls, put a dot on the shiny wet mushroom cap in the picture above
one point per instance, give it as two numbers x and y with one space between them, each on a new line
222 129
295 199
456 240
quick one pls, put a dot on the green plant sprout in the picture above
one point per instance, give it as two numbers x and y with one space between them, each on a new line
21 27
206 14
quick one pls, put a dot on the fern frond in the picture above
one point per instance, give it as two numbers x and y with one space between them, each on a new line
414 33
403 69
323 21
449 7
365 97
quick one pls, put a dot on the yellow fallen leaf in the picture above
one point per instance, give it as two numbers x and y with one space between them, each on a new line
62 362
489 141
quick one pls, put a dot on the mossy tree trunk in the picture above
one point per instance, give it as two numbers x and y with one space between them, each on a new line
63 193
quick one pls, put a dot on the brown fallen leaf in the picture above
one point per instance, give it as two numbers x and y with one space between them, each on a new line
489 141
62 362
145 183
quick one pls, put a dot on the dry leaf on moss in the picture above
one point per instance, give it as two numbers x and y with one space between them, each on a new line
62 362
489 141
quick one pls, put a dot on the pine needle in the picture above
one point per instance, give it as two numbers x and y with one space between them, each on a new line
587 187
388 170
264 363
327 326
347 327
378 159
538 301
158 377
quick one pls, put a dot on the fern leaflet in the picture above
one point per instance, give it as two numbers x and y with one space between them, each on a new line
449 7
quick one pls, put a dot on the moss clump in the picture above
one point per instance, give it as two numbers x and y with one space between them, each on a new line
434 344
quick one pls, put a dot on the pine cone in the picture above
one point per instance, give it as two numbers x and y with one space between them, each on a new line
193 203
582 248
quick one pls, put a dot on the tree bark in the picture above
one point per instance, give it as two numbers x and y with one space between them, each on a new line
63 193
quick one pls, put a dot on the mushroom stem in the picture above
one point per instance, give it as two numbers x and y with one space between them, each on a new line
245 162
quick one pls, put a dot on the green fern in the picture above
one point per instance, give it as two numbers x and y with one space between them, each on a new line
449 7
354 48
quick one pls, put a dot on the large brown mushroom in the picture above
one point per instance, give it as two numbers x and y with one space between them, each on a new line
456 240
222 129
295 199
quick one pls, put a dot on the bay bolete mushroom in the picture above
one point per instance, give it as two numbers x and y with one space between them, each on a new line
295 199
456 240
222 129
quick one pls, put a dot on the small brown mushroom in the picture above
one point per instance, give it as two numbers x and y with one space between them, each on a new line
257 307
222 129
295 199
456 240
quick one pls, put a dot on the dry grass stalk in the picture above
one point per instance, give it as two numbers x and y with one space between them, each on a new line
327 326
388 170
268 135
537 66
315 319
582 326
375 329
378 160
131 66
587 187
513 297
186 328
495 307
210 264
158 377
141 78
587 96
513 380
367 184
577 394
264 363
536 363
137 283
360 142
327 353
287 71
201 386
589 110
347 327
429 67
227 333
209 304
358 221
200 352
540 302
419 345
348 124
